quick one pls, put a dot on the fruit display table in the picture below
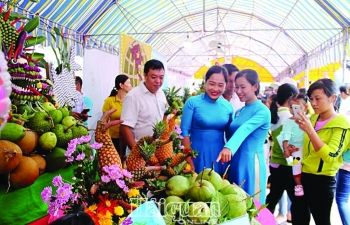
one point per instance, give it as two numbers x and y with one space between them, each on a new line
25 205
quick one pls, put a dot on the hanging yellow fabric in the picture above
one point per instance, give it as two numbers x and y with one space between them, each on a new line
315 74
241 63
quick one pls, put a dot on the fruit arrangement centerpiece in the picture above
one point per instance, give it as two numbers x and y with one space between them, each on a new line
205 199
37 131
183 196
101 186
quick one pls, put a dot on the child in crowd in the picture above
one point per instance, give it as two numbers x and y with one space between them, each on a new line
292 137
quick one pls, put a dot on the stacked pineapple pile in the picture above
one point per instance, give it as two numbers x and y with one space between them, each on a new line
157 150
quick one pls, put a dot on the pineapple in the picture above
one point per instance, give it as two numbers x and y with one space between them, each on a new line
143 172
135 159
177 159
158 129
169 172
153 160
160 143
107 154
147 150
186 94
164 152
139 173
170 128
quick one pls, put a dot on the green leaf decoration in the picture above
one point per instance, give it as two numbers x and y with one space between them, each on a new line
253 211
32 24
34 41
42 63
16 15
219 207
180 167
53 36
36 55
57 31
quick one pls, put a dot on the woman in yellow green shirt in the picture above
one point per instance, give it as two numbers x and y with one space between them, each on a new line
115 101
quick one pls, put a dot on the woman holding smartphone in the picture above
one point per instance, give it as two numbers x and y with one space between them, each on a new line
326 139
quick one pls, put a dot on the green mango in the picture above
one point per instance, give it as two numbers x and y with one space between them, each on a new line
12 132
55 159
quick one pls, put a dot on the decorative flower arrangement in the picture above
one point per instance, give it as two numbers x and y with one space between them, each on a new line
107 199
178 147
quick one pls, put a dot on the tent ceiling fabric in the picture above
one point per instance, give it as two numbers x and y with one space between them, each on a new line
273 33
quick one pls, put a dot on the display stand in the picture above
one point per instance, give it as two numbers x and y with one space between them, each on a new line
23 206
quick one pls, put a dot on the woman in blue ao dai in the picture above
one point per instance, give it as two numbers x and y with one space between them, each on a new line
205 119
249 130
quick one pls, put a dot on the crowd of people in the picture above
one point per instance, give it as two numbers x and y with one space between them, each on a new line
291 141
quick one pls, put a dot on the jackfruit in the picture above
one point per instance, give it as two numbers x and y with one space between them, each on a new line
79 131
63 134
41 122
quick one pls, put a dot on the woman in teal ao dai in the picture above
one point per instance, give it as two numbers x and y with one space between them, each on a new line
205 119
249 130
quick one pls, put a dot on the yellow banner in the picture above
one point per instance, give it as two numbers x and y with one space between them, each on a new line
133 56
241 63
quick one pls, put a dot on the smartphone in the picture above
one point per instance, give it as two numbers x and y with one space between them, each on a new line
85 111
296 110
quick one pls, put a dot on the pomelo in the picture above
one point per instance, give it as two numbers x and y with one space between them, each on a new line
201 190
48 106
224 183
56 116
213 177
237 206
48 141
177 186
199 213
173 205
69 121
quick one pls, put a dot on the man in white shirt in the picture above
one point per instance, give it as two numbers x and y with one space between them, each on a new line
144 105
229 93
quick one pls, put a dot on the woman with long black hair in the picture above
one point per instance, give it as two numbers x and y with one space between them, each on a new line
115 101
281 178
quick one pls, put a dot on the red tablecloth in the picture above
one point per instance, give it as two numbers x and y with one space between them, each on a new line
42 221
